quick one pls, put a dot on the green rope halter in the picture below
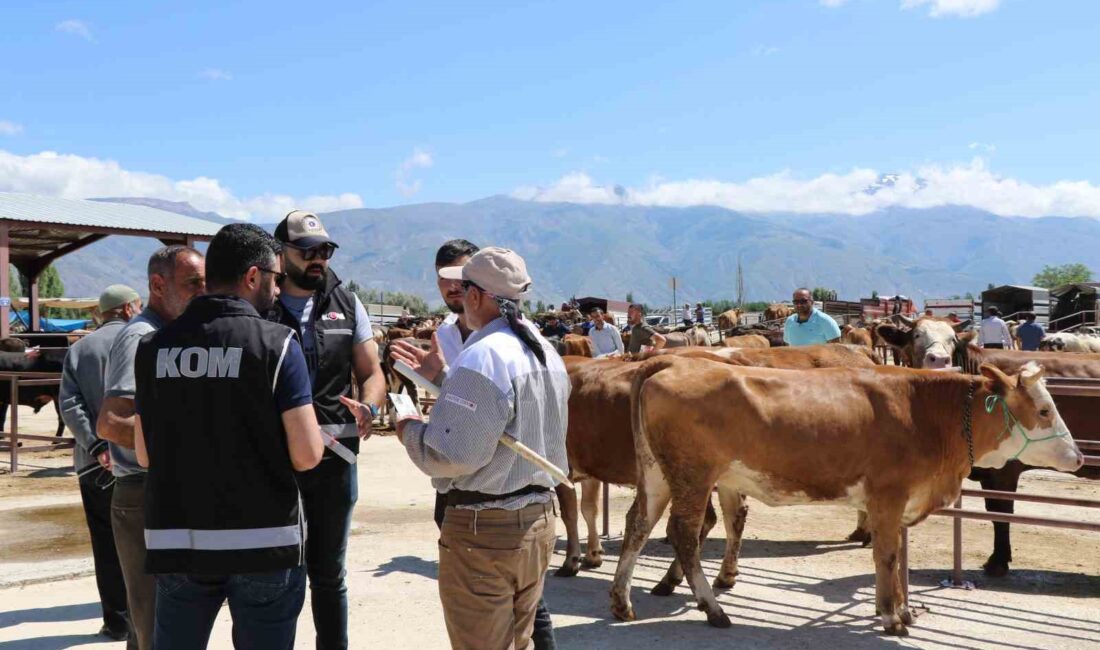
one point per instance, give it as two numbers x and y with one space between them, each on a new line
1011 424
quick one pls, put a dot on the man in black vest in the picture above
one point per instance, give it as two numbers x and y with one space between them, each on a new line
225 417
340 352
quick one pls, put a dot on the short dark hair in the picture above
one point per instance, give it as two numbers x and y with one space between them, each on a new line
993 311
236 248
594 311
453 250
804 289
163 262
638 306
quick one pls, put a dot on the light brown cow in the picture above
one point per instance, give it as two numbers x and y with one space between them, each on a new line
777 311
891 440
746 341
856 336
693 336
599 441
729 319
576 345
394 333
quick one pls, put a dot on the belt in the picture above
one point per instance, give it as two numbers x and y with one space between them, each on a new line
469 498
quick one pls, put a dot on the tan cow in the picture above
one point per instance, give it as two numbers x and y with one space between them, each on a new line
599 441
891 440
729 319
777 311
746 341
693 336
856 336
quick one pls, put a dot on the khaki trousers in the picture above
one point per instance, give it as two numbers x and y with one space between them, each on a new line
128 526
492 564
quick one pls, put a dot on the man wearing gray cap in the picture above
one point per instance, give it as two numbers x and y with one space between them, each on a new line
81 398
498 530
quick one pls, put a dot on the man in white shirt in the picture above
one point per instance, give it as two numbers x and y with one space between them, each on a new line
994 331
606 340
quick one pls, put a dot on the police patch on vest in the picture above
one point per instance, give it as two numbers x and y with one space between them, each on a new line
334 315
464 403
196 362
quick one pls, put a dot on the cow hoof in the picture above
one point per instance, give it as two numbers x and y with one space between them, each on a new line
592 561
622 611
663 588
860 535
718 619
897 629
995 568
725 583
906 615
569 568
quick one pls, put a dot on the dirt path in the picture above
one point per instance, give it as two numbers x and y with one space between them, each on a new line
800 586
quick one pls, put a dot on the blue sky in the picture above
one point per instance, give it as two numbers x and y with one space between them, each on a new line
742 103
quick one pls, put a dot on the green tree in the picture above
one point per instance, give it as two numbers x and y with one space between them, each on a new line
874 295
630 297
14 281
821 293
540 307
1055 276
415 304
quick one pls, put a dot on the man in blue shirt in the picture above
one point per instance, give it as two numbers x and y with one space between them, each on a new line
1030 333
808 326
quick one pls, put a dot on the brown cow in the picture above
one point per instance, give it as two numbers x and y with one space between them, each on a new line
599 441
576 345
891 440
729 319
777 311
746 341
394 333
693 336
856 336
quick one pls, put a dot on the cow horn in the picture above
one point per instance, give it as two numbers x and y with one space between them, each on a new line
908 322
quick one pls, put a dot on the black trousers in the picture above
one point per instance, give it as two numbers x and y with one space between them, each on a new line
543 635
108 571
995 346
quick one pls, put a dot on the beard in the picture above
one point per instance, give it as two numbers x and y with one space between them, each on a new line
455 307
265 299
301 277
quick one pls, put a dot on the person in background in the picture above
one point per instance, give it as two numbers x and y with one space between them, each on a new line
641 333
224 418
953 317
606 340
81 398
700 314
807 325
928 313
1030 333
685 315
176 275
994 332
554 327
342 357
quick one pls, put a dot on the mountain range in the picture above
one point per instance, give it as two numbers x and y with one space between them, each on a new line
610 250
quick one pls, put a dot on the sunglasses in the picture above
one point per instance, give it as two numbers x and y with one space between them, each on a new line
802 301
324 251
280 276
466 284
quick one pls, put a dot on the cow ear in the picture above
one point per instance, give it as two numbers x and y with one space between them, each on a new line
1002 383
894 335
967 337
1031 374
961 326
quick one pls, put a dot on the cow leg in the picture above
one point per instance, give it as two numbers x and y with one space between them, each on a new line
590 510
862 533
685 523
60 422
675 574
886 545
735 510
1006 479
650 501
567 497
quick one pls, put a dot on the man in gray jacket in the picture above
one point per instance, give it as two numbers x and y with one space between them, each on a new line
81 399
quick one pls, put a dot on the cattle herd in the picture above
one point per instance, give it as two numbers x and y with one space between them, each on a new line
833 424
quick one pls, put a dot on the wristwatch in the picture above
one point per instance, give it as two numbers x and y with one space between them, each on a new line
374 410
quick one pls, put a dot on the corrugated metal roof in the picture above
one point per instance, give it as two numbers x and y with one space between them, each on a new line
33 208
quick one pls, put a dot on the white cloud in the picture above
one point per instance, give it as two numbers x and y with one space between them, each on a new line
982 146
216 74
403 177
832 3
10 128
859 191
764 50
75 27
77 177
960 8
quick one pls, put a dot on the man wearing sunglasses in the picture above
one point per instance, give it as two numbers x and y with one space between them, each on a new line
339 348
808 326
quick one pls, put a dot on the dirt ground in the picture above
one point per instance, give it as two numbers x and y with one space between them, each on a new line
800 585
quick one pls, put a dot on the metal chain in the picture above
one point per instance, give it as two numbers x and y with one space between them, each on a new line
968 431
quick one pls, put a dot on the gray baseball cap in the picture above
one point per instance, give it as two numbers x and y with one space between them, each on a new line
302 229
116 296
499 271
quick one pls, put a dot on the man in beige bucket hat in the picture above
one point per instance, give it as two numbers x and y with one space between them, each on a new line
498 530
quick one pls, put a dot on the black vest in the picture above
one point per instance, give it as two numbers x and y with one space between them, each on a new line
333 317
220 496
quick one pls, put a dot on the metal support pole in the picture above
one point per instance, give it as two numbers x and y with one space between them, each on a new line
957 534
5 281
607 510
13 422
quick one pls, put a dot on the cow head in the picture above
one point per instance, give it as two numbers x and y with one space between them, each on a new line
1053 343
1033 432
929 342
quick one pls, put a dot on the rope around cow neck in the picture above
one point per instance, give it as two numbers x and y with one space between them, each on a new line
1011 424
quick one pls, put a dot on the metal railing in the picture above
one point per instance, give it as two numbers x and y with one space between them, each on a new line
1087 317
11 434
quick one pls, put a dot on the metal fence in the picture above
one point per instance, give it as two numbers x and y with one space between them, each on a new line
11 435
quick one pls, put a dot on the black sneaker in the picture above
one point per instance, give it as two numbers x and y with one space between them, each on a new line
115 635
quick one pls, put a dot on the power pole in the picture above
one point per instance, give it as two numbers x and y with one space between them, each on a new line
740 285
673 298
